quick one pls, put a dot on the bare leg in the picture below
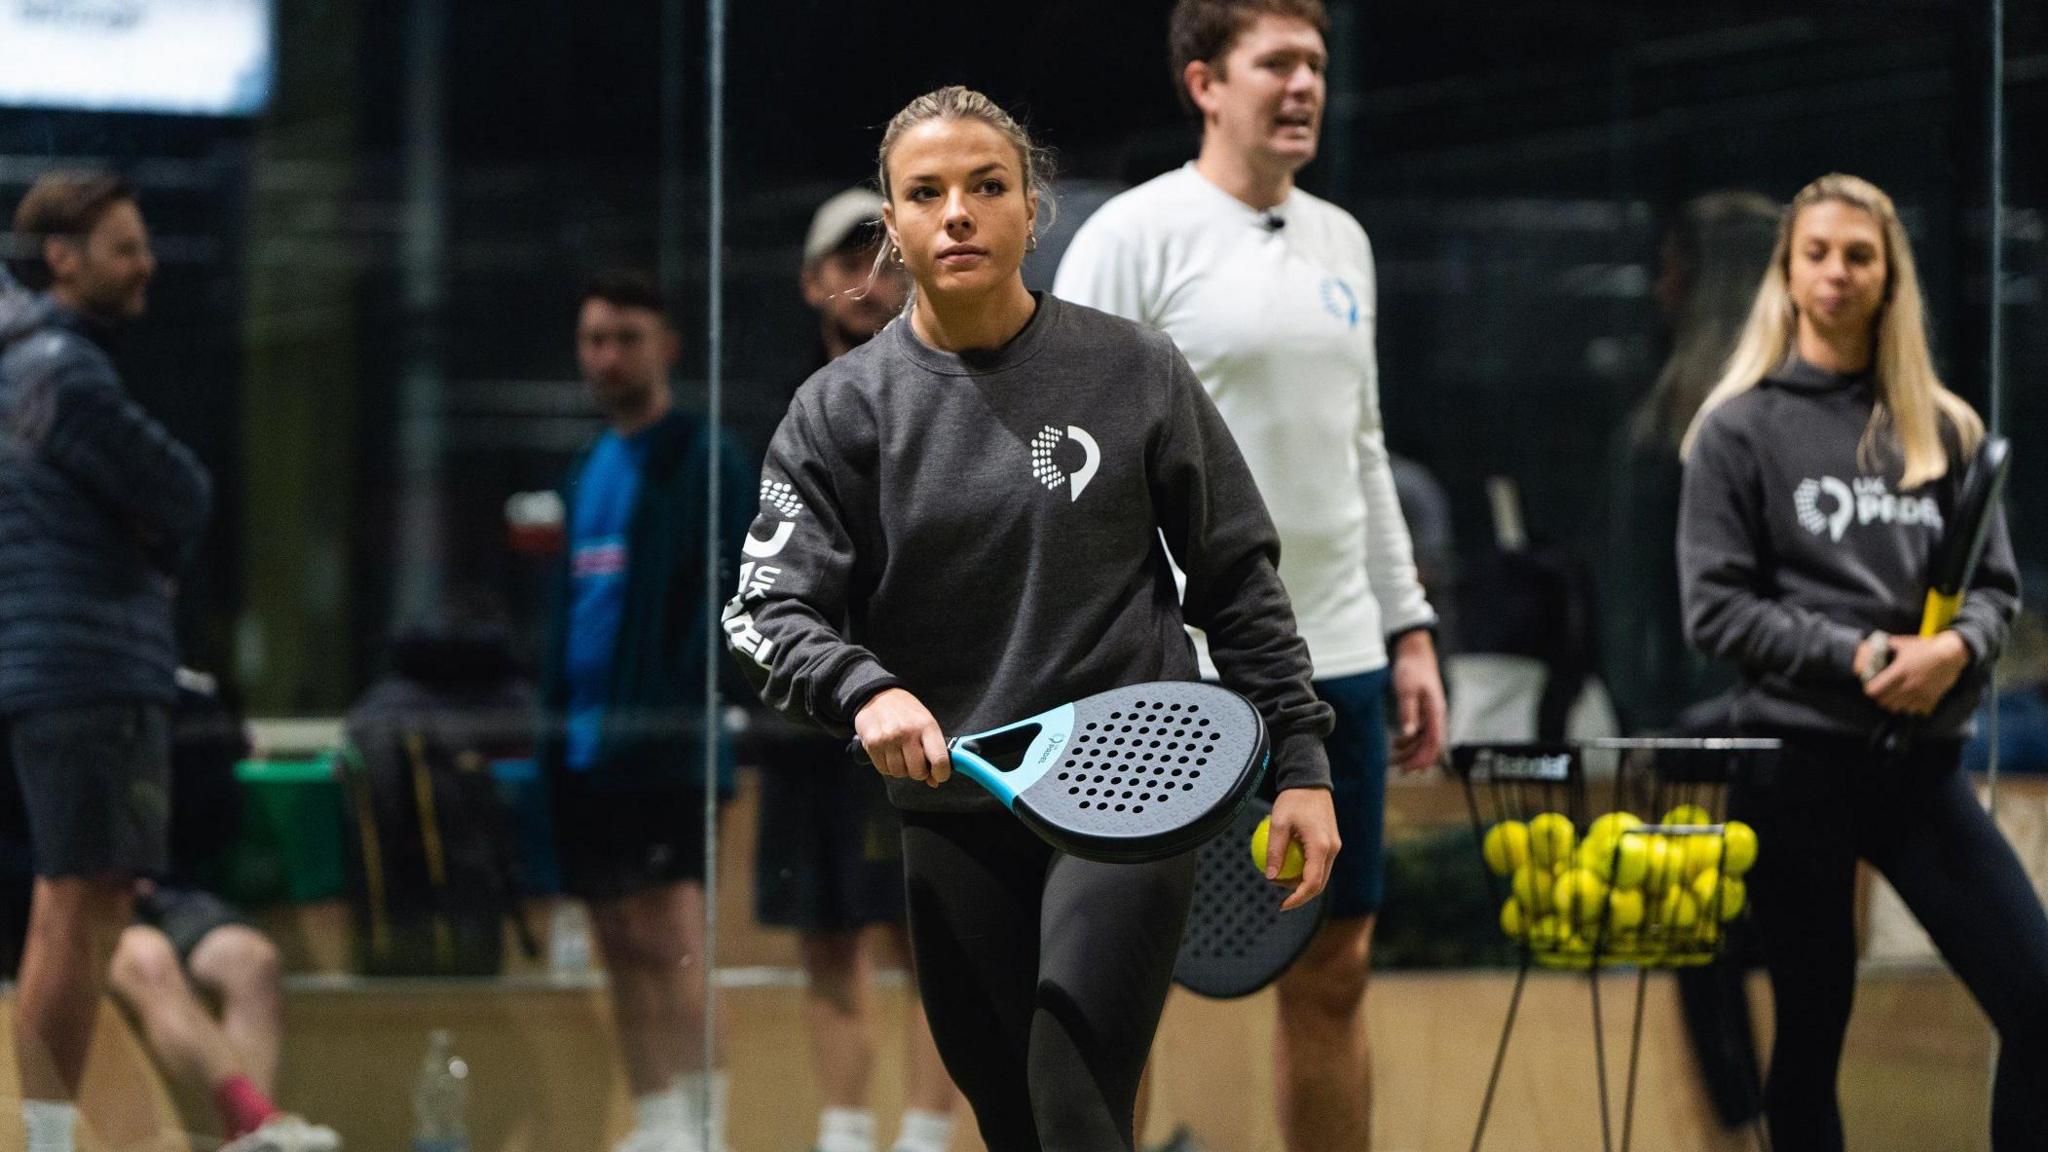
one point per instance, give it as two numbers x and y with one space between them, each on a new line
74 922
653 945
926 1086
839 1016
1322 1062
146 978
241 966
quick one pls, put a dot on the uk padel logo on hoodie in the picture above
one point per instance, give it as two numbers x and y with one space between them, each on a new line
1068 458
1827 506
779 497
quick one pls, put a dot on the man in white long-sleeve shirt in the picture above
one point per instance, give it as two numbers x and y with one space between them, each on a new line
1269 293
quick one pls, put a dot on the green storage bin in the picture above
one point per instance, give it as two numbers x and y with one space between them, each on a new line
290 847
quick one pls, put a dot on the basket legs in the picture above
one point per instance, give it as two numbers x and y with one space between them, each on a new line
1500 1054
1600 1059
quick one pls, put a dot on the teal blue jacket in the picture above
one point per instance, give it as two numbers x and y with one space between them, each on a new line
653 729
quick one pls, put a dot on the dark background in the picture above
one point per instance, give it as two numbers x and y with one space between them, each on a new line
1513 164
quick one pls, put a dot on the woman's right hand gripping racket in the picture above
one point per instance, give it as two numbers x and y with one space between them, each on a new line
1124 776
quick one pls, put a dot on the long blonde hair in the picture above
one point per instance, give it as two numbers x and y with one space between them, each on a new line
1911 399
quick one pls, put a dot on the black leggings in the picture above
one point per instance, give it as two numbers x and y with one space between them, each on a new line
1043 975
1915 816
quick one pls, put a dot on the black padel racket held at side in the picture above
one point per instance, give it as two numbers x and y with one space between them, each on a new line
1962 545
1237 939
1124 776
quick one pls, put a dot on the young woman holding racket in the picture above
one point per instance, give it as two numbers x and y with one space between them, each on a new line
1820 476
968 521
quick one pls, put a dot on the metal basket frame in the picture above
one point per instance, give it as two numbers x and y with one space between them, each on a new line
1518 781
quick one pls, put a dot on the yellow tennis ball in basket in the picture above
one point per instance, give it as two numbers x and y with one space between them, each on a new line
1547 933
1702 855
1612 825
1741 851
1622 861
1290 868
1532 887
1732 894
1687 814
1659 869
1624 911
1506 847
1580 896
1512 922
1678 912
1551 839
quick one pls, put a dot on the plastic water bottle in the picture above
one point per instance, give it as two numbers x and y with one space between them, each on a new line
440 1098
569 939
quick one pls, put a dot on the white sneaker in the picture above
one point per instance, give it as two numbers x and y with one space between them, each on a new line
286 1133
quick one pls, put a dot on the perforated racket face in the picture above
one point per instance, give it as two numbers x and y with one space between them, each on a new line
1237 940
1149 771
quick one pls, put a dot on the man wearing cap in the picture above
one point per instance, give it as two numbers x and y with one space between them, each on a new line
830 858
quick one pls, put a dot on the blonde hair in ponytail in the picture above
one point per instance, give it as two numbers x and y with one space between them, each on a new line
1912 401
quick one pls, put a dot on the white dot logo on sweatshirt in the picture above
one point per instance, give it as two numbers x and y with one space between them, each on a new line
780 496
1068 458
1826 506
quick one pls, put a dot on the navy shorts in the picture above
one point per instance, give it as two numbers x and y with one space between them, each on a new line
617 839
830 854
1358 753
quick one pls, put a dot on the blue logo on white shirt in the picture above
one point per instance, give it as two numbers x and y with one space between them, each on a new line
1340 301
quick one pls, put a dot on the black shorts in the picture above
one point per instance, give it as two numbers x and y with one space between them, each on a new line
186 916
615 839
830 852
95 786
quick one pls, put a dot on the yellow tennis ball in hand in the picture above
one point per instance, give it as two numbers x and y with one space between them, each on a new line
1506 847
1740 855
1290 867
1551 839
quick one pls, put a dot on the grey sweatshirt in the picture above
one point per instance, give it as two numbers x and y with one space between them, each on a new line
1790 552
990 532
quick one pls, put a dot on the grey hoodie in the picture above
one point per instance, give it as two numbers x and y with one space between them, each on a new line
991 532
1790 552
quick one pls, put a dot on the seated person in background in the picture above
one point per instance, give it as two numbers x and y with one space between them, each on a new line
186 939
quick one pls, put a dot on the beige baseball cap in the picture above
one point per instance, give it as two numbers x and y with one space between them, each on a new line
836 218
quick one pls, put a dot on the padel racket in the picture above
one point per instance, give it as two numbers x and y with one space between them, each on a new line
1969 527
1237 939
1124 776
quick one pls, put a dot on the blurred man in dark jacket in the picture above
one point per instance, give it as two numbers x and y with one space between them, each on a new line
99 509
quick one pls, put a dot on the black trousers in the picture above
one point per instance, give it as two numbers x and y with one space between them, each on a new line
1913 814
1043 975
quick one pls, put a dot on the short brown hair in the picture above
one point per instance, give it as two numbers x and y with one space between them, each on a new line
1206 29
628 288
68 203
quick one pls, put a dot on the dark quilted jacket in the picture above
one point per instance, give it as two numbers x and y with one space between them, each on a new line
99 509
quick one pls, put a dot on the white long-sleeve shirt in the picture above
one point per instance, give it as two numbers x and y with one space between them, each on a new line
1277 322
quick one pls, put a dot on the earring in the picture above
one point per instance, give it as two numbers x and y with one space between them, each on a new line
896 255
1031 241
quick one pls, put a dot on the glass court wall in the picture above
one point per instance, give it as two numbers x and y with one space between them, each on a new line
372 248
